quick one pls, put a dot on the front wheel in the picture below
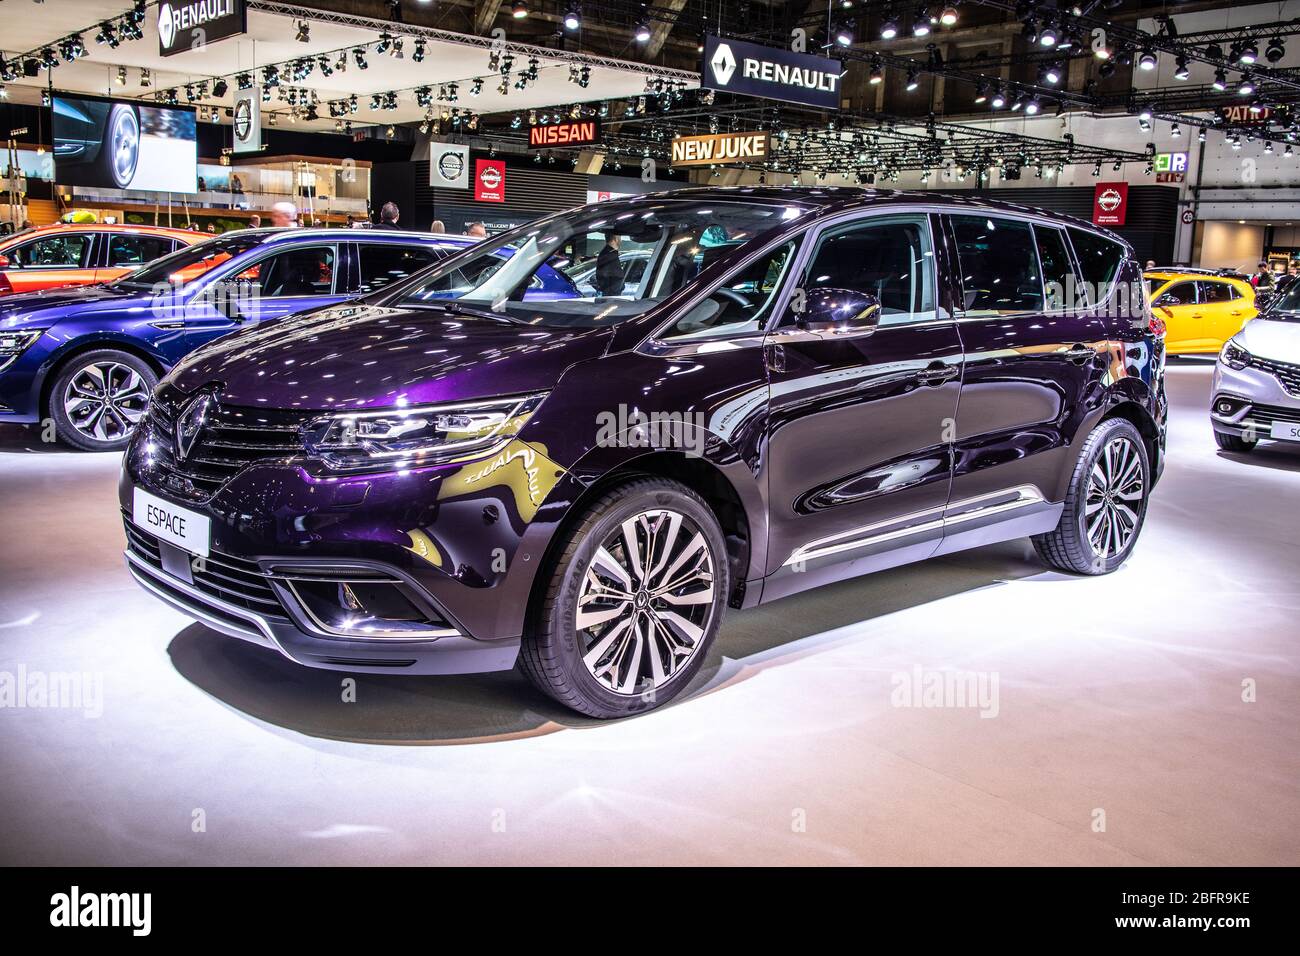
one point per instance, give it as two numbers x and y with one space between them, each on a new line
633 602
99 397
1105 506
1234 442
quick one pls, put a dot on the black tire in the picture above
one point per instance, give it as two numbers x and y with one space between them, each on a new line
553 648
1069 547
1234 442
71 426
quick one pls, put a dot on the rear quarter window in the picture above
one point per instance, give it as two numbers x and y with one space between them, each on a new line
1099 260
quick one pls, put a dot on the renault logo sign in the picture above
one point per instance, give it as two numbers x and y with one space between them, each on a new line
723 63
740 67
192 24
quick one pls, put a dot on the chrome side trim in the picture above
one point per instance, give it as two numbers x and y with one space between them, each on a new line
980 506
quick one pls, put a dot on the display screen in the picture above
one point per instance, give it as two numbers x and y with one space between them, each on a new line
116 144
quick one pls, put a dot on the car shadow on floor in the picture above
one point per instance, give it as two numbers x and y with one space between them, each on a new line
1278 456
27 439
485 708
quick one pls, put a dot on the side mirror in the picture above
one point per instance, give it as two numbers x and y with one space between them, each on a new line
839 311
1165 301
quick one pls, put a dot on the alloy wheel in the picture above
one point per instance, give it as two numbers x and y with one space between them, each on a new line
1115 490
646 601
105 400
125 146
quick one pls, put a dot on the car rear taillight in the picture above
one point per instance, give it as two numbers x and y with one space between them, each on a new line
6 286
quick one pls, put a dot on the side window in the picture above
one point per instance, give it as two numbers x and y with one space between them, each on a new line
741 303
52 252
293 272
1180 293
1057 267
382 264
1099 261
998 262
1216 292
129 251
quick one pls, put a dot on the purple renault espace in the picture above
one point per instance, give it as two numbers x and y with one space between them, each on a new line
457 473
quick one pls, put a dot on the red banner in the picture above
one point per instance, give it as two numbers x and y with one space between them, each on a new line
1110 204
490 180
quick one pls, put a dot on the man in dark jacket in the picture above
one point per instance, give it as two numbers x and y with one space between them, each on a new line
388 216
609 271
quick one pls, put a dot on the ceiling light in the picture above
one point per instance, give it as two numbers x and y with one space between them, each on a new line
1220 80
1048 37
949 16
1247 85
219 87
304 32
1181 71
1175 132
642 32
1146 59
1052 73
844 34
573 17
877 74
889 29
997 100
912 82
1249 53
519 10
921 25
1032 107
1275 50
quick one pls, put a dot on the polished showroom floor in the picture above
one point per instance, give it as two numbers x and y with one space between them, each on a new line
1118 733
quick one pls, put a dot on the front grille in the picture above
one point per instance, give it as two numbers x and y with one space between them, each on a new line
231 439
1284 372
234 580
1265 415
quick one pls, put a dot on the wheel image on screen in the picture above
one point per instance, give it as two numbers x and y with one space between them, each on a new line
120 153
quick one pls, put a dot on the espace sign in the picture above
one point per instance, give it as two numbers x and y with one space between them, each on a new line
490 180
192 25
739 67
1110 204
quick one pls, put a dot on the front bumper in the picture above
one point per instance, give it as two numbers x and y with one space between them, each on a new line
1246 402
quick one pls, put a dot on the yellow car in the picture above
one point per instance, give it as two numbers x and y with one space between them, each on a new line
1201 310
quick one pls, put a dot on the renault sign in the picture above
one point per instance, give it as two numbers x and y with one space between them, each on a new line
193 24
739 67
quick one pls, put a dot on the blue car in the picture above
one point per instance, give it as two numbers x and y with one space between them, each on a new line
88 358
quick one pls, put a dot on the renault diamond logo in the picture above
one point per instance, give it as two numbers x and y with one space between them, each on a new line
723 63
190 422
166 24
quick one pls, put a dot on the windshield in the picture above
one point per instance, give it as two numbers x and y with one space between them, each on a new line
1286 307
600 264
185 265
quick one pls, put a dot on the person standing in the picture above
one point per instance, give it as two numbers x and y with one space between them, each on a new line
437 226
1262 280
388 216
477 230
284 214
254 221
609 270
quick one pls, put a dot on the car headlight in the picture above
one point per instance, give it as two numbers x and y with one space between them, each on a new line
418 434
14 344
1234 356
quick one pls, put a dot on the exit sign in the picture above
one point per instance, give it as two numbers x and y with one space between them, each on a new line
1171 162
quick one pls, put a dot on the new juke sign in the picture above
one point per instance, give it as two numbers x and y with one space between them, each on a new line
739 67
719 148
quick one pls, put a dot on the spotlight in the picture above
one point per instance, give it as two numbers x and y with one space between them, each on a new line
121 76
844 34
476 87
1146 59
921 25
1049 36
1181 71
1249 53
385 41
573 17
912 82
889 29
642 32
949 15
519 10
1287 151
304 32
417 55
219 87
877 74
359 54
1175 132
1275 50
1200 135
1052 73
981 92
997 100
1032 107
1220 80
1247 85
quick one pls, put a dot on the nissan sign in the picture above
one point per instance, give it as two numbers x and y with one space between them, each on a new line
585 132
754 70
1109 204
193 25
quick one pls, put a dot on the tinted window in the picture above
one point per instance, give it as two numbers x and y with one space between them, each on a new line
189 262
888 258
1057 267
1217 292
1099 259
133 251
51 252
998 261
382 265
1183 292
293 272
742 303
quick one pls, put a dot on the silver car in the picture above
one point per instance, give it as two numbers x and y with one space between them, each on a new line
1257 379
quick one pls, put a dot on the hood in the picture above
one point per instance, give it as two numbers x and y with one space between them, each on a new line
43 309
364 356
1275 339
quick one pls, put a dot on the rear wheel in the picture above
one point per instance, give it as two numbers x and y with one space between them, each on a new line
99 397
1234 442
634 600
1105 506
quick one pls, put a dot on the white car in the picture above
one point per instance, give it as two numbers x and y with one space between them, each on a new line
1257 380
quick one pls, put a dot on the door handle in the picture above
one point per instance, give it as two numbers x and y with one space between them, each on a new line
1079 354
1198 315
936 373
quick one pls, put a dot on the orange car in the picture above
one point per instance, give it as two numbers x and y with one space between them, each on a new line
64 255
